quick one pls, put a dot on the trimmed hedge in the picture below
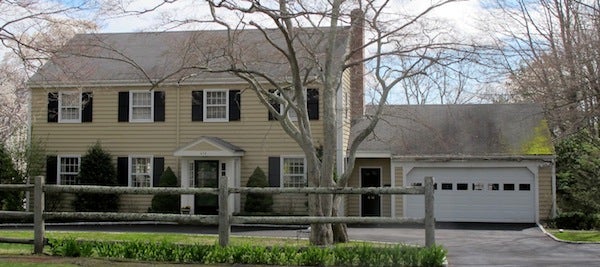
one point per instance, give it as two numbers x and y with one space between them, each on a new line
360 255
576 221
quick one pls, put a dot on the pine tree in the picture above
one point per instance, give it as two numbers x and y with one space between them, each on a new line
258 202
97 168
165 203
9 175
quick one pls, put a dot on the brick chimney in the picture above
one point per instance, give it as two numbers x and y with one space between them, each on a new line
357 72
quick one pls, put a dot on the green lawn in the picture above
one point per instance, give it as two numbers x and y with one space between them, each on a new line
157 237
572 235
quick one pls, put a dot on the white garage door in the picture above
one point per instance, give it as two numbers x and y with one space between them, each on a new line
475 194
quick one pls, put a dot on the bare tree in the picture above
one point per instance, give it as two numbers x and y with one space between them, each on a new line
30 32
305 49
549 50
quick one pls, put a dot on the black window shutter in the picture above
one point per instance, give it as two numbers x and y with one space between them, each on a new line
273 104
197 109
235 105
312 103
157 170
159 106
274 172
51 169
88 104
123 171
53 107
123 106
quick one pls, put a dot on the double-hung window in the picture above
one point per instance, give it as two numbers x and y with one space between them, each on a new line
69 107
140 171
293 172
141 108
68 170
216 105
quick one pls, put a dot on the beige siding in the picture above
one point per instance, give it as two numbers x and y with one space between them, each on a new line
258 137
346 110
399 176
545 192
353 201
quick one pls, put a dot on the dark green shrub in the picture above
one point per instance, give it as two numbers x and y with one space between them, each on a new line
9 200
257 202
363 255
576 221
578 173
166 203
97 168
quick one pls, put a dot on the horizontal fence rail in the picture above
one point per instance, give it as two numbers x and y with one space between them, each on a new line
224 220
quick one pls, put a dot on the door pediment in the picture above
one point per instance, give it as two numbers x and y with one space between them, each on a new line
209 146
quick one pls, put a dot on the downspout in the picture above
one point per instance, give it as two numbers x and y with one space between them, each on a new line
553 188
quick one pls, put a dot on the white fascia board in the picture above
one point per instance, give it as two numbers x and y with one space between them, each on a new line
373 154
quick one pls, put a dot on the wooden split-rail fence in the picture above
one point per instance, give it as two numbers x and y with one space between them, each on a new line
224 219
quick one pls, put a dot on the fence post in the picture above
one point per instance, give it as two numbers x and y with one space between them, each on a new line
429 216
224 223
38 216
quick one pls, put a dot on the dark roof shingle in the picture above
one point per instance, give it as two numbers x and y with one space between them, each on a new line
459 130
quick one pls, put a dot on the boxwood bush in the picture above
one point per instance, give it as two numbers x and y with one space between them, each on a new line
576 221
359 255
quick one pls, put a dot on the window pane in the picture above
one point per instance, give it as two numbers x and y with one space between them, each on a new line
69 106
216 105
446 186
140 172
462 186
142 98
141 105
524 187
69 168
509 187
293 172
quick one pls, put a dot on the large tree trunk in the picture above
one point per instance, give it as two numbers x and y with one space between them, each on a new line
340 230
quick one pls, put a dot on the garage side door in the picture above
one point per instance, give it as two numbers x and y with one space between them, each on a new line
476 194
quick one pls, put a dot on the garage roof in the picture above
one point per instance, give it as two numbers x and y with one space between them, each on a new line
474 130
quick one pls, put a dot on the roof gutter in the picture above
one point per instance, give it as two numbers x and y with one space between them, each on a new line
446 158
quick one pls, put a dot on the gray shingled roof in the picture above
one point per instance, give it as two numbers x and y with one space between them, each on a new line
121 58
480 130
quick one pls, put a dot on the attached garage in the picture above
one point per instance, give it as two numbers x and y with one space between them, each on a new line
476 194
491 162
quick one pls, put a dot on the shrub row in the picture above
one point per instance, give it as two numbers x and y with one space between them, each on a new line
576 221
360 255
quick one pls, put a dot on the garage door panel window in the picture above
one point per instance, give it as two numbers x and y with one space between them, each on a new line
447 186
462 186
493 187
524 187
509 187
477 186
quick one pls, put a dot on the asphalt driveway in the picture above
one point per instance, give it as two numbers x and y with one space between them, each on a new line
482 244
467 244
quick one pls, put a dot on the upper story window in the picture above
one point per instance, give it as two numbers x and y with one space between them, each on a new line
312 106
69 104
70 107
140 171
68 170
141 106
215 105
293 172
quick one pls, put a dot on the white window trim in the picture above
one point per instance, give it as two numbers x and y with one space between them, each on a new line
60 106
204 105
58 167
130 173
281 166
131 119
